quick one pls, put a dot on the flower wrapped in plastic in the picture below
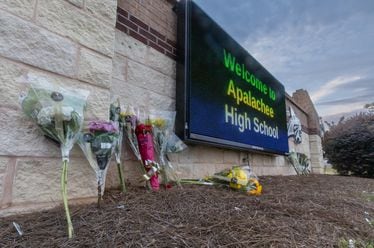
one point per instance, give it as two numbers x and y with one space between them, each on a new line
300 162
239 178
143 133
114 116
162 131
130 120
175 144
98 145
58 111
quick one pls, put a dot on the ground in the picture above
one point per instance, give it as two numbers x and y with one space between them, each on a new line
293 211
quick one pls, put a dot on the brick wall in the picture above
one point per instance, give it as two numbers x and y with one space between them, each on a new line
302 99
300 113
150 22
304 147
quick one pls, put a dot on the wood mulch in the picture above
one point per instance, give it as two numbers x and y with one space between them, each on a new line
293 211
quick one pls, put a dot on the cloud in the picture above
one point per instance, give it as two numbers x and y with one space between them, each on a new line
324 47
343 101
330 87
334 109
329 58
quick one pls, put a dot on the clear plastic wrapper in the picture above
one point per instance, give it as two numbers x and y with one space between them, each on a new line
58 111
130 121
143 133
18 228
300 162
114 116
162 130
239 178
98 145
175 144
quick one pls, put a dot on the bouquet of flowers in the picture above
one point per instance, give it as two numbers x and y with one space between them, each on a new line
175 144
143 133
58 111
300 163
98 145
238 178
130 120
162 130
115 110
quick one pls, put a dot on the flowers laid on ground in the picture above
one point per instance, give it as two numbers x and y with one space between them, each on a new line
149 134
114 116
98 145
58 111
143 133
300 163
175 144
162 131
239 178
130 120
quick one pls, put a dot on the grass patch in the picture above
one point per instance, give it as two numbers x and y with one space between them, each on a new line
369 196
330 171
351 243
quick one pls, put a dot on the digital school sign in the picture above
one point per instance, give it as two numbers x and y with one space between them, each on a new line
224 96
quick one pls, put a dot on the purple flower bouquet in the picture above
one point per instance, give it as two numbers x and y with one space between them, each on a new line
98 145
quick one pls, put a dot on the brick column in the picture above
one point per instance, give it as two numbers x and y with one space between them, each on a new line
302 98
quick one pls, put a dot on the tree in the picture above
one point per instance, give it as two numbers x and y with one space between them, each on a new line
349 146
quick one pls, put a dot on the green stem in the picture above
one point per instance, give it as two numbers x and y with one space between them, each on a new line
165 177
195 181
98 195
120 174
64 180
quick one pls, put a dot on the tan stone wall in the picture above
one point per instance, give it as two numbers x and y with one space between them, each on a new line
316 154
69 43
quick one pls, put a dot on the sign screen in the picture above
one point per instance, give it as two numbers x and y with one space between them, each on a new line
229 99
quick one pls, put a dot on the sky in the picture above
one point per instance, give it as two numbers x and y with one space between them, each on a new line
323 46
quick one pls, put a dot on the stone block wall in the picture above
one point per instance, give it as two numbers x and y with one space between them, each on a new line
316 152
67 42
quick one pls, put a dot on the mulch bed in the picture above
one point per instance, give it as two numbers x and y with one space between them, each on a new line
294 211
